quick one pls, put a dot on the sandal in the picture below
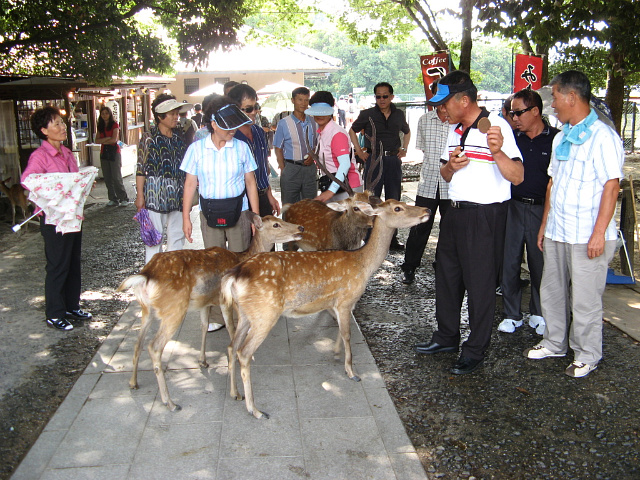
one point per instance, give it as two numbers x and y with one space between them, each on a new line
59 323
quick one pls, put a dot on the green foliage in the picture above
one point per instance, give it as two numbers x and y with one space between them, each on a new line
99 39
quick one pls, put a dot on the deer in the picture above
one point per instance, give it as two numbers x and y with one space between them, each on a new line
269 285
326 226
172 283
16 195
335 226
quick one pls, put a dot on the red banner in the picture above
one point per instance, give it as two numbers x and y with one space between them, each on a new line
528 72
434 67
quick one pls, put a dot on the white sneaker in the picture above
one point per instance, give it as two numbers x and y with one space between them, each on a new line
579 369
537 322
213 327
509 325
539 351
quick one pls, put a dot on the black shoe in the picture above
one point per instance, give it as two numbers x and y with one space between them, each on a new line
79 314
59 323
465 365
409 276
433 347
396 245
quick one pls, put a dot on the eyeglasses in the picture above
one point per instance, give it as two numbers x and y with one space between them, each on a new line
251 108
517 113
378 97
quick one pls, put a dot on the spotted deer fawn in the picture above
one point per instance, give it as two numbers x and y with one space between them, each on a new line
296 284
174 282
16 195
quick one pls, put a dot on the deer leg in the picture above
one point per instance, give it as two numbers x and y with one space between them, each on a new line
133 381
232 350
344 323
156 347
204 322
255 337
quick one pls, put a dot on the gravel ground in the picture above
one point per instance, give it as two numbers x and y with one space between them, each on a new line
512 419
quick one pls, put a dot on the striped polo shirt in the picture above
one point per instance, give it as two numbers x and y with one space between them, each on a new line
481 181
290 136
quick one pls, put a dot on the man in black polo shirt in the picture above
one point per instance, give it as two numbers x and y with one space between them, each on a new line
389 121
534 138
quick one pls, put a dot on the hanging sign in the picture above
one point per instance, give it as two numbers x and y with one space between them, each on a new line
528 72
434 67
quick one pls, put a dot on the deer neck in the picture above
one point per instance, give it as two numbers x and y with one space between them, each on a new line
376 249
257 245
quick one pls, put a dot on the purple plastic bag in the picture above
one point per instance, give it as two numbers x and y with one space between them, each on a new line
150 236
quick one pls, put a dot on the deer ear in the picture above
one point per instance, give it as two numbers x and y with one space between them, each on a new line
337 206
374 200
367 209
255 218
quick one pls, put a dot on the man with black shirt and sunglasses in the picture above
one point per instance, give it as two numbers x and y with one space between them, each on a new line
389 121
534 138
480 162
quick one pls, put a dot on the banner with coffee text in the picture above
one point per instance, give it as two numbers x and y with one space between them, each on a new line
528 72
434 67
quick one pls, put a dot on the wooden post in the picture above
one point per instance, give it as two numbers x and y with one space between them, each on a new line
628 222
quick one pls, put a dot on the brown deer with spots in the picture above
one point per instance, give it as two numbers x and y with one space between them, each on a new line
173 283
269 285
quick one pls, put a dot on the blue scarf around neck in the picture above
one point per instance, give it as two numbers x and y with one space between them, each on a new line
577 135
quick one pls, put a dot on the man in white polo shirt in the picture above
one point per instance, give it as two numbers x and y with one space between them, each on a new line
480 168
578 232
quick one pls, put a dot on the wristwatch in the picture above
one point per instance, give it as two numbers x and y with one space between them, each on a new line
402 148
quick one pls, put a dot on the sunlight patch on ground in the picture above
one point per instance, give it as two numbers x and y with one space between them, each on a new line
89 295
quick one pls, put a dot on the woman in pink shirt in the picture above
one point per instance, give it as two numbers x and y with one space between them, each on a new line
62 251
334 147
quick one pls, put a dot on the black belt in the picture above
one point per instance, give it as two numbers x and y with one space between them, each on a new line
263 191
390 153
529 201
295 162
457 204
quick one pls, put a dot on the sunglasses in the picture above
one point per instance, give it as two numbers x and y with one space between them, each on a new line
517 113
251 108
378 97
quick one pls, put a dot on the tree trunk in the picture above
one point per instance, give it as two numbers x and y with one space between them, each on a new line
543 50
615 91
466 43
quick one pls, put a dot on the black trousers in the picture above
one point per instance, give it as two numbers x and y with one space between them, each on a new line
63 272
419 235
470 250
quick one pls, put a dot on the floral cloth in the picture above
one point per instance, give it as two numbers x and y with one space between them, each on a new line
62 196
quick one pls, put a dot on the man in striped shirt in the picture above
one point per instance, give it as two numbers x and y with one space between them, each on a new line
578 232
480 168
298 172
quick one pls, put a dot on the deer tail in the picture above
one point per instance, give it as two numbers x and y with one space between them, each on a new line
139 285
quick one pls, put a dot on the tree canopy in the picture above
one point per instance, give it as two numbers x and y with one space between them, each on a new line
99 39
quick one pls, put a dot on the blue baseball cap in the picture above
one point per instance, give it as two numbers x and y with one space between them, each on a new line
445 92
319 110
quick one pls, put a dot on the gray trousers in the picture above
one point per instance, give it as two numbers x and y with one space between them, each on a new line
571 280
298 182
523 224
112 173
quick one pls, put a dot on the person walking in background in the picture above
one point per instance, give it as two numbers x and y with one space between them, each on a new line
342 112
389 121
253 135
333 149
294 134
578 232
187 128
197 117
159 180
111 158
62 283
534 138
431 138
480 170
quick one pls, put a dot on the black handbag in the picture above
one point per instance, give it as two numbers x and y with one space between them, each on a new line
324 182
222 213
